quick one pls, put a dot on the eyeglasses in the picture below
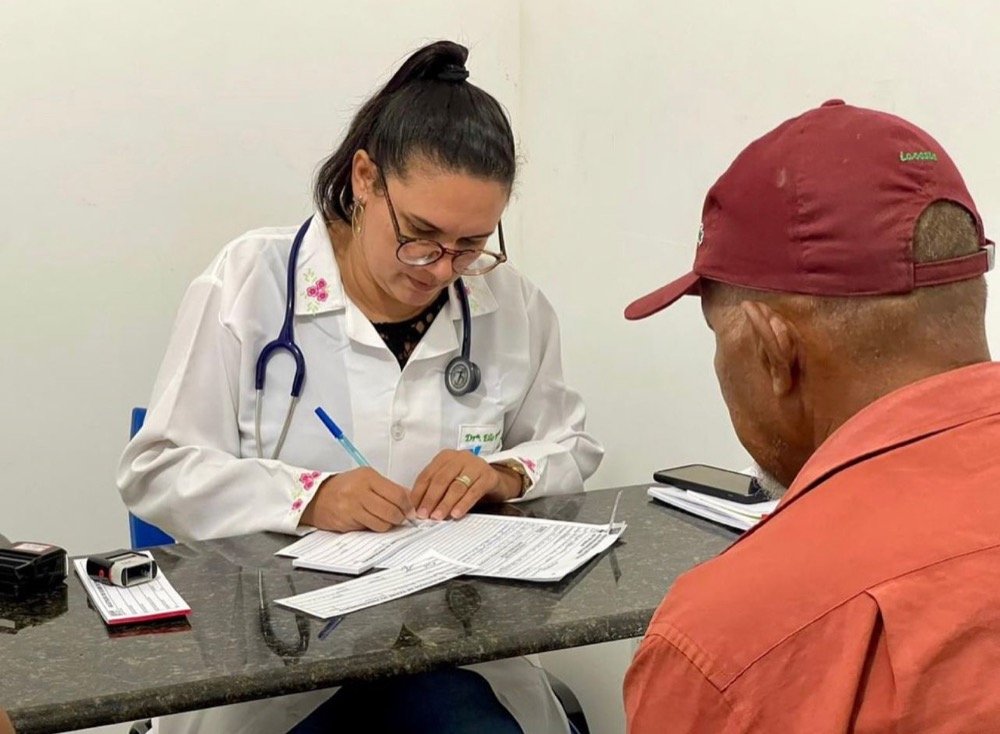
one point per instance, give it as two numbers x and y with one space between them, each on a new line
421 251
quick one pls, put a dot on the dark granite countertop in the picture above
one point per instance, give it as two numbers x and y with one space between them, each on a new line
63 669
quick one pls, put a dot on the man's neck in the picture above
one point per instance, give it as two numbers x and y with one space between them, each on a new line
848 391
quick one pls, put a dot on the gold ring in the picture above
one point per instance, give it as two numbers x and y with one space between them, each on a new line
464 480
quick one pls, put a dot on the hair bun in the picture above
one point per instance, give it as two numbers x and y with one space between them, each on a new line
453 73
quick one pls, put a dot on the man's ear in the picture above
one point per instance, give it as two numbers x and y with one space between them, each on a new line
363 172
776 342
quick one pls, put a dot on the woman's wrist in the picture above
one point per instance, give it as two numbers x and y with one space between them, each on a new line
308 516
511 484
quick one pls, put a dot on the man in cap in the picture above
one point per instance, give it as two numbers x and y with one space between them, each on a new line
841 267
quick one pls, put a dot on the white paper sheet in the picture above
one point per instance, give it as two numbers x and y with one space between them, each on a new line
352 553
153 600
725 512
375 588
527 549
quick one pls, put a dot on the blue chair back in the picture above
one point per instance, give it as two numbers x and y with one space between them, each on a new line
141 533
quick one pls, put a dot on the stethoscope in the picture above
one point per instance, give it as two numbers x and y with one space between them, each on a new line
461 376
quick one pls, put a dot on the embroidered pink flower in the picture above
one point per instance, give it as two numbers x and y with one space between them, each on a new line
318 290
528 464
307 479
297 504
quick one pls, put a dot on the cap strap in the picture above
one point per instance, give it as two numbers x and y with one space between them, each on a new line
955 269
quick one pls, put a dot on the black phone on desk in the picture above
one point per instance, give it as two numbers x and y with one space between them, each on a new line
710 480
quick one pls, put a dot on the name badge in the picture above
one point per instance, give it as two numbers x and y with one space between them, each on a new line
480 439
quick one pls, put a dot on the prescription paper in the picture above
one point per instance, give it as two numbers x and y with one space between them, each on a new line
496 546
147 602
352 553
375 588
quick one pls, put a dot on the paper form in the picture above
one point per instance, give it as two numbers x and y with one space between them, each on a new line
353 552
725 512
376 588
527 549
146 602
754 510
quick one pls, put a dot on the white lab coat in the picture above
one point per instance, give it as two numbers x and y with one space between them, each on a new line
192 469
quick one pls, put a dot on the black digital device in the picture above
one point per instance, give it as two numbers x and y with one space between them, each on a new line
30 568
710 480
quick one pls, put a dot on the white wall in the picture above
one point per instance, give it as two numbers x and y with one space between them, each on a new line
139 137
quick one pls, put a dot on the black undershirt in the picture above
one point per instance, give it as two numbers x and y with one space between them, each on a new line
402 337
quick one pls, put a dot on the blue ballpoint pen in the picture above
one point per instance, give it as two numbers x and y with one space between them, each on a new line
349 447
338 434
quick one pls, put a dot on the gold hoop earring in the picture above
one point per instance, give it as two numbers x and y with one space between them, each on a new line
357 216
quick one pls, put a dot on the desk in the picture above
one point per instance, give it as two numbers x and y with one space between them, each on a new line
62 669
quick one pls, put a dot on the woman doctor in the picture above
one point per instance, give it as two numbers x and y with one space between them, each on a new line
406 238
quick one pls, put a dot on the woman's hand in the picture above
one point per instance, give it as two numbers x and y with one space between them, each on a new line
360 499
455 481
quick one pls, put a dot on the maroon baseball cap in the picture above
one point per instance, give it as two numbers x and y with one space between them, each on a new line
826 204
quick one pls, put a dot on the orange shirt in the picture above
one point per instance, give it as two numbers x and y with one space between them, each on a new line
868 602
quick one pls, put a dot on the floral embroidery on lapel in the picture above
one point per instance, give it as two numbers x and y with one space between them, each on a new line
475 307
315 290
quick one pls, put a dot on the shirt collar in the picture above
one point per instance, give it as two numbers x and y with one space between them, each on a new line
481 298
908 414
317 278
318 287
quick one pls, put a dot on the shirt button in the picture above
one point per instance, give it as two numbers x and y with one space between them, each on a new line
397 431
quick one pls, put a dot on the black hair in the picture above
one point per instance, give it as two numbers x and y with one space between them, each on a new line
428 109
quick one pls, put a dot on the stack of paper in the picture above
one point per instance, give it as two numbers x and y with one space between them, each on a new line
725 512
146 602
416 558
526 549
351 553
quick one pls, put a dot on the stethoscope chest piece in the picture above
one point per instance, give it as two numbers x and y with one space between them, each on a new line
461 376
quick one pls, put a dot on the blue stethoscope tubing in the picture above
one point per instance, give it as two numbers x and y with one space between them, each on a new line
461 376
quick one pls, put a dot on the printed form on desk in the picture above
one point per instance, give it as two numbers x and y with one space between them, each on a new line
376 588
739 515
415 558
146 602
519 548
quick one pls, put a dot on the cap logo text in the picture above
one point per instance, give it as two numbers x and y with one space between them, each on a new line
920 155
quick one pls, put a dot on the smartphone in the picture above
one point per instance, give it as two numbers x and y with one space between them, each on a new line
722 483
